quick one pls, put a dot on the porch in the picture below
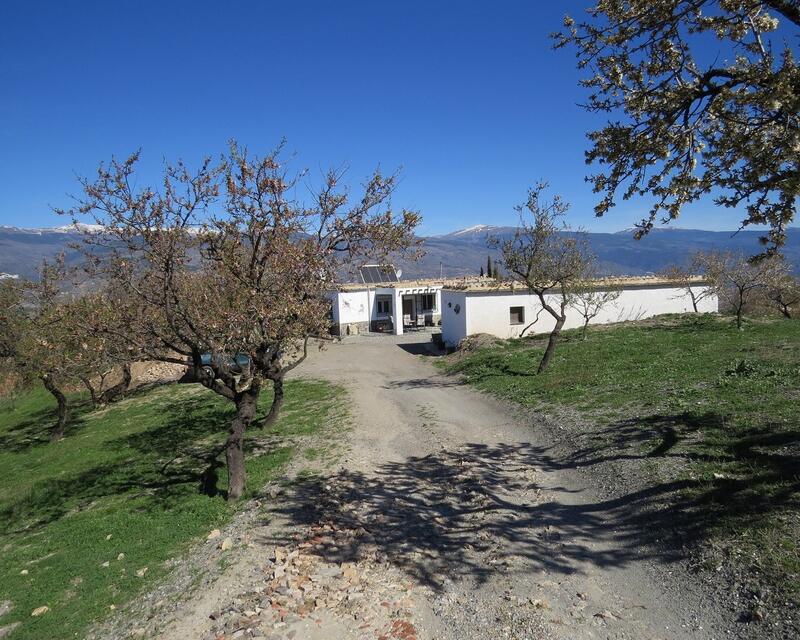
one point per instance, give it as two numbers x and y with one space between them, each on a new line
400 310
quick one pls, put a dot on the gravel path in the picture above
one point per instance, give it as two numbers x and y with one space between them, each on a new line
448 518
502 542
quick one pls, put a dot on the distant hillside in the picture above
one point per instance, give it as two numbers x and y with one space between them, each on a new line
464 252
455 254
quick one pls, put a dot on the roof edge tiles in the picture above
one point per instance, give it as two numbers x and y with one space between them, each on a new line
405 284
599 283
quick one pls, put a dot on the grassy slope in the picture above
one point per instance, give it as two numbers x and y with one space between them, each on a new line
708 410
69 507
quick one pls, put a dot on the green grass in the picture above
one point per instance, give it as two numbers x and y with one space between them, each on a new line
125 480
697 404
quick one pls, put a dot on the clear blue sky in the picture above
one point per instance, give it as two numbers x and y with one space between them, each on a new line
468 97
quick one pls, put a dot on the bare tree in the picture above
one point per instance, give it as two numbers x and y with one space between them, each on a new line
687 279
590 298
783 291
99 320
11 317
43 334
682 123
737 280
229 268
547 258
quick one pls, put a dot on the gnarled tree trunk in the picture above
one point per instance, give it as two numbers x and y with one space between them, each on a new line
92 392
246 406
276 371
277 402
560 316
119 389
62 413
693 298
551 344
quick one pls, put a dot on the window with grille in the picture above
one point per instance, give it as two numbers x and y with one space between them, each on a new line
429 301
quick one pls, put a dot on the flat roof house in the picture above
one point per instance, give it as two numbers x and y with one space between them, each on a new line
389 307
506 309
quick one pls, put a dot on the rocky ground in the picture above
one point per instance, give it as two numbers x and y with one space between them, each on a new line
450 516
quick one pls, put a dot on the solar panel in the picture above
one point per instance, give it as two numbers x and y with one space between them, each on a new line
377 274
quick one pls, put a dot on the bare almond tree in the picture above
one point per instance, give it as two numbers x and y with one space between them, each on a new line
98 319
688 280
783 291
548 259
738 281
590 298
44 336
229 269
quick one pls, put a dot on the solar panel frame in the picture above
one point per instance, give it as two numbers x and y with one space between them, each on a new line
377 274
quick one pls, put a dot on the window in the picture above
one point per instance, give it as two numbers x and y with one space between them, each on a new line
429 301
517 315
383 305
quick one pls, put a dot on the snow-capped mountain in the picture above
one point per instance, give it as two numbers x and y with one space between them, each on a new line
458 253
77 227
476 231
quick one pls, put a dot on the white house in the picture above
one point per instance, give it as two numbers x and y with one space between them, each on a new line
505 309
389 307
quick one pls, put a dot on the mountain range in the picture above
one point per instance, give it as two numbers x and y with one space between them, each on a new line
459 253
464 252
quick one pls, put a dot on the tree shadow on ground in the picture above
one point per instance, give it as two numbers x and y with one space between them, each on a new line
421 348
424 383
34 430
497 365
744 473
179 456
477 510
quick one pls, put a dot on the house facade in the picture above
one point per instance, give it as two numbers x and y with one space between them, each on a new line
391 307
505 310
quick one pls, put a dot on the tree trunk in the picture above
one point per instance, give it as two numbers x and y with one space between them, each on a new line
92 392
246 406
62 413
551 344
694 300
585 328
277 403
119 389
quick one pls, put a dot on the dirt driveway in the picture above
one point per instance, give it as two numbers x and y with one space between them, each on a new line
450 517
463 495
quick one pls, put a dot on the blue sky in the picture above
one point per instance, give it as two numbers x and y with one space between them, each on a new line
468 97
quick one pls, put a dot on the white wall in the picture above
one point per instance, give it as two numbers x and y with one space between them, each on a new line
489 311
454 325
352 306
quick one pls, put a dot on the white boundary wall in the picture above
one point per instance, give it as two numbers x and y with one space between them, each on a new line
489 311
